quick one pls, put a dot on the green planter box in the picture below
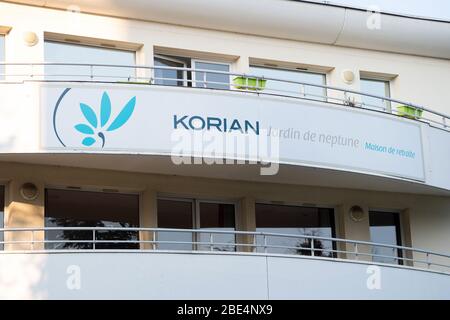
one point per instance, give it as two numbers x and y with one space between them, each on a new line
409 112
249 83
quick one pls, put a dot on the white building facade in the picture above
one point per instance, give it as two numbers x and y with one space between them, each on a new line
220 149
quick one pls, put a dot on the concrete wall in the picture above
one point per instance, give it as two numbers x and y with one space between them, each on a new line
207 276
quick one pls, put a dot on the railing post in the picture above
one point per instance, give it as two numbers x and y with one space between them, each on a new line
204 79
211 241
312 248
356 251
93 239
91 67
154 239
303 90
265 244
444 121
428 260
32 239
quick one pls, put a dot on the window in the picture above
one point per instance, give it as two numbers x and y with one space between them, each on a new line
61 52
170 77
378 88
69 208
2 56
190 214
2 214
217 216
296 220
175 214
385 229
292 89
191 79
212 80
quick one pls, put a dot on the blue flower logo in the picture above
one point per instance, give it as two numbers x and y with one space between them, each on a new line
92 128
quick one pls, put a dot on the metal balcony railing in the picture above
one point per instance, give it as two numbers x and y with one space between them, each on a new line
253 84
94 239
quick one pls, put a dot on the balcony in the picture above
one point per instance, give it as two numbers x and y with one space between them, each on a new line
215 264
315 126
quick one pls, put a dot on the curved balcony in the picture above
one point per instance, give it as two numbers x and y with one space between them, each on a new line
249 83
140 262
398 143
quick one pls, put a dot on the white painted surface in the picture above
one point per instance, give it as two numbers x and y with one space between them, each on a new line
205 276
150 129
282 19
22 131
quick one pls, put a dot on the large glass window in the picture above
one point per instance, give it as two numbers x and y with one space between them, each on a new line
292 89
296 221
170 77
379 88
212 80
217 216
190 214
175 214
2 56
385 229
69 208
61 52
2 214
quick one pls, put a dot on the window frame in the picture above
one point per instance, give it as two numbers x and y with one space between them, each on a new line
333 222
97 190
195 213
172 59
81 44
305 95
193 66
387 90
398 231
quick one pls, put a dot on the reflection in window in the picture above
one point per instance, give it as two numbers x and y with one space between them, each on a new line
2 56
180 214
170 77
73 53
175 214
204 79
296 220
292 89
217 216
2 216
67 208
378 88
385 229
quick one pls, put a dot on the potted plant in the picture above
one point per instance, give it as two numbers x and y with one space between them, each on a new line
409 112
249 83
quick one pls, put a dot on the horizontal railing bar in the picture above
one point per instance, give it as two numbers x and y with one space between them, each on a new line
206 231
147 67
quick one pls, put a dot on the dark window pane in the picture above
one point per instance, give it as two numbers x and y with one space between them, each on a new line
164 76
295 220
385 229
67 208
2 217
174 214
217 216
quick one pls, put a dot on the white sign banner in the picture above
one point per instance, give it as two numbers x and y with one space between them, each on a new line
153 120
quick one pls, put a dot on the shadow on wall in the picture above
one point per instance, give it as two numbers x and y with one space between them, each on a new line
22 276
